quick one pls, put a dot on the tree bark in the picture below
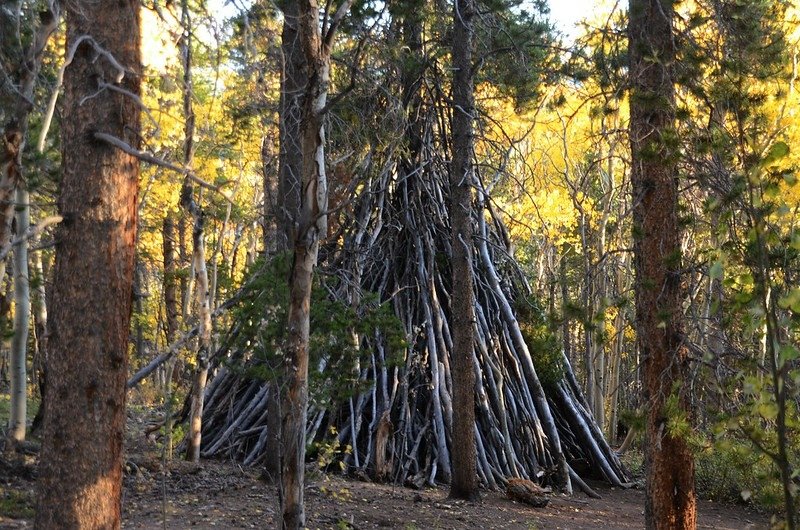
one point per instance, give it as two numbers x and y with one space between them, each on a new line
39 302
138 307
285 207
13 191
293 85
670 497
170 288
464 484
39 311
204 335
80 472
310 221
22 311
198 263
172 371
269 171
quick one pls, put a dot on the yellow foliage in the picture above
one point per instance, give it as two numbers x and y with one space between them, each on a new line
560 152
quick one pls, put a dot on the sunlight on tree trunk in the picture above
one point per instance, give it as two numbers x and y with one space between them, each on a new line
80 469
198 263
670 501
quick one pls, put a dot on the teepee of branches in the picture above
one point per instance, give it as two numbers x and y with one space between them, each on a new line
394 240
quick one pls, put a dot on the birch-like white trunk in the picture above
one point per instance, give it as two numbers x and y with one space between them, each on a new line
39 312
199 270
201 369
12 184
22 310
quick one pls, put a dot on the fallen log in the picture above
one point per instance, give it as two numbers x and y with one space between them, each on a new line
527 492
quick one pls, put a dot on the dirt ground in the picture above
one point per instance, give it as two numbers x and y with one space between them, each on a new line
223 495
226 496
178 495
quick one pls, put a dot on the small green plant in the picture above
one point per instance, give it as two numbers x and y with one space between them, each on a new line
633 460
330 454
343 524
16 504
171 433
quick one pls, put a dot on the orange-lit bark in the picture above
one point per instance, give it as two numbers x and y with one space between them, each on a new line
670 499
80 474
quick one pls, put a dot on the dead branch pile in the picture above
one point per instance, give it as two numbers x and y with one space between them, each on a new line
396 242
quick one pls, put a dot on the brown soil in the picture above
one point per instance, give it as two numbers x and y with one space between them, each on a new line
178 495
217 495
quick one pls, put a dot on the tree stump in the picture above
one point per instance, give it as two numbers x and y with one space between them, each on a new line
527 492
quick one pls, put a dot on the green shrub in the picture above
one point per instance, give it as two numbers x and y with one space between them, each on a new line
261 317
541 341
730 470
16 504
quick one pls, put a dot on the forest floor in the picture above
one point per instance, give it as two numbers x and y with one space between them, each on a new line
223 495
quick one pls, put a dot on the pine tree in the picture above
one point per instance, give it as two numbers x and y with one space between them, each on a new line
670 500
80 472
464 484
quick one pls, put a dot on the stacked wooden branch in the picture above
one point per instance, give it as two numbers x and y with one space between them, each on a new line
396 242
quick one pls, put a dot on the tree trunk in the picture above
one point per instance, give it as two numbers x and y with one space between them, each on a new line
22 310
269 173
670 498
80 471
185 260
565 320
39 310
198 264
397 240
170 290
138 307
39 303
284 208
25 69
464 484
204 334
293 90
310 221
173 366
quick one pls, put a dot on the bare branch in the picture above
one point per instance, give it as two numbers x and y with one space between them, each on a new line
68 58
353 72
175 347
102 85
327 38
161 359
147 157
31 232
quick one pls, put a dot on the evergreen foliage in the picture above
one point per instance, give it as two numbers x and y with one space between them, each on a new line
337 332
